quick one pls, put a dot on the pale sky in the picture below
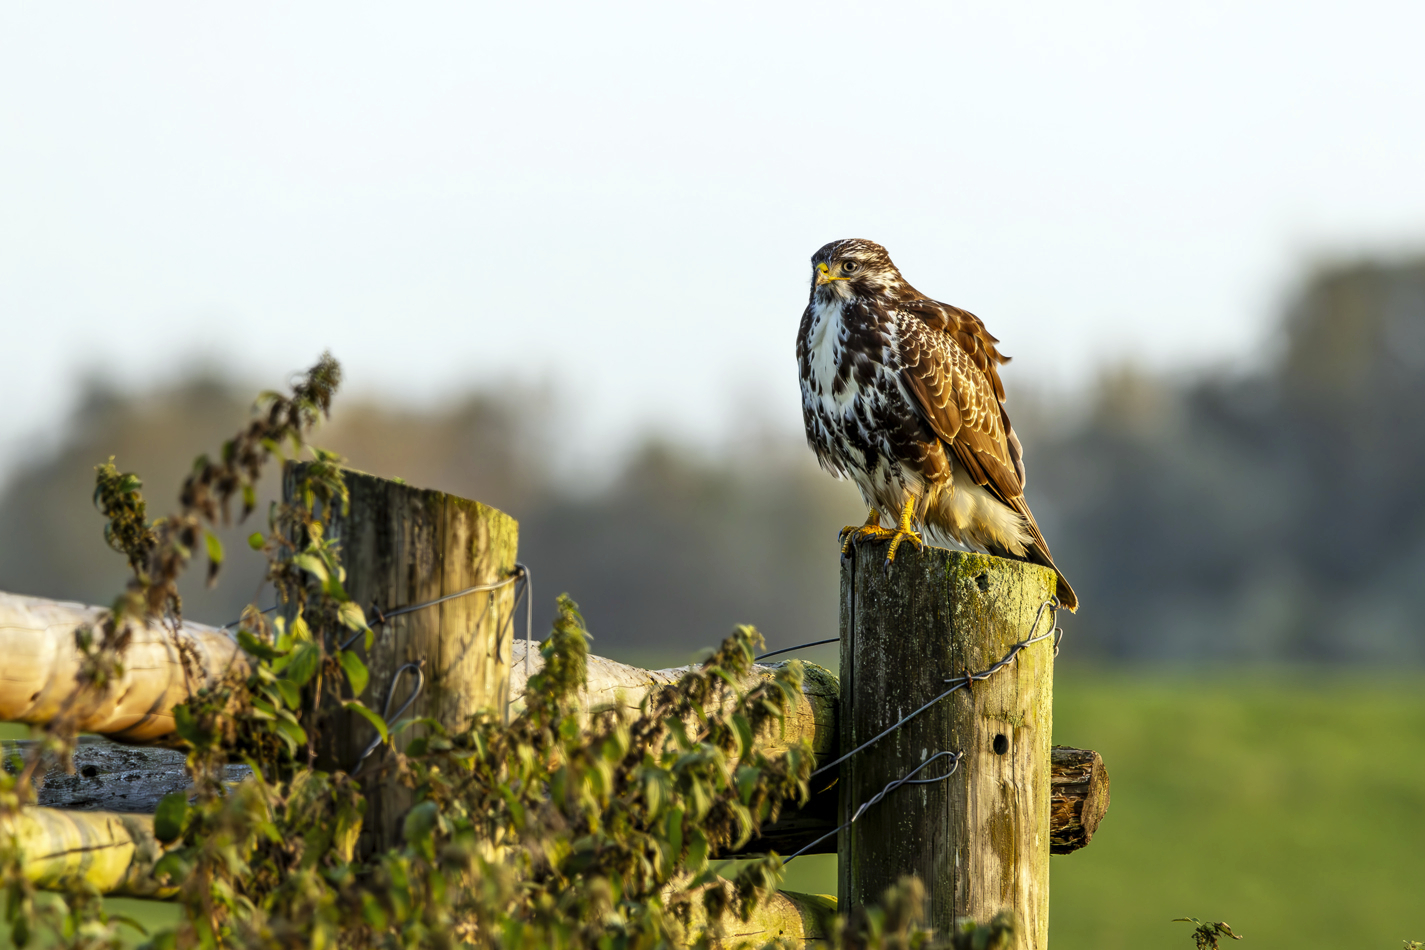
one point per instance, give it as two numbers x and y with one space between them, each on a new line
624 196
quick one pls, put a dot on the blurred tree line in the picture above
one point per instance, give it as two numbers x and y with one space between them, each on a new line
1270 515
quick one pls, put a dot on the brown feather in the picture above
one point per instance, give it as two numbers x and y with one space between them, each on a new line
894 386
955 383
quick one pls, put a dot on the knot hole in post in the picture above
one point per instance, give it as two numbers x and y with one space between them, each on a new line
1001 744
982 581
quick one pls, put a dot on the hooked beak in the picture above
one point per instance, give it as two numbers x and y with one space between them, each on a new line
823 274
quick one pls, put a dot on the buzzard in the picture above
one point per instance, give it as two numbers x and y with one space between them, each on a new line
901 394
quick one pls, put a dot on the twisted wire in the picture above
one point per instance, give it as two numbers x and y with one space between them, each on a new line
907 779
966 679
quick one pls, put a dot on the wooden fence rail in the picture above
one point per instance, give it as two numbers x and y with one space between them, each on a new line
980 840
126 778
41 659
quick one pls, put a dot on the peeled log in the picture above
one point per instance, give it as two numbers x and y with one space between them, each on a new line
37 641
113 853
41 661
617 685
795 919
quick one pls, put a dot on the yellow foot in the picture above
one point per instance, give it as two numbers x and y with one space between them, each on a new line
901 534
870 531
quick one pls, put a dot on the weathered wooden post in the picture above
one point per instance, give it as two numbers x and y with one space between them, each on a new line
403 546
980 839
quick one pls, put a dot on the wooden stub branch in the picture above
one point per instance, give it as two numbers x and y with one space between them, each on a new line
980 839
1079 782
403 546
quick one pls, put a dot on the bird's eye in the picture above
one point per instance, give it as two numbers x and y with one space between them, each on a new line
848 266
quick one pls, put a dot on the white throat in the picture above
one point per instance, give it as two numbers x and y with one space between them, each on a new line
828 338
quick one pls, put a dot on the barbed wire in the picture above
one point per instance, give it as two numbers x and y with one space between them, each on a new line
799 646
528 613
967 678
521 572
907 779
419 669
523 592
232 623
383 616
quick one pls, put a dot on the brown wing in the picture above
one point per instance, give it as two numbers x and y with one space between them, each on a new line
951 370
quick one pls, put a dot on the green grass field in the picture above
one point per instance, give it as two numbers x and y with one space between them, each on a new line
1290 805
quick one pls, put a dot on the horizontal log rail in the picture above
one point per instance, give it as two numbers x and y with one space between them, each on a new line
617 685
86 826
115 855
94 823
112 853
37 678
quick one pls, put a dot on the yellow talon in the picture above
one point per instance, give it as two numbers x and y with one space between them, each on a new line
903 532
871 530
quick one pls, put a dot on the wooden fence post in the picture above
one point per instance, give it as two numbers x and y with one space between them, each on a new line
402 546
980 840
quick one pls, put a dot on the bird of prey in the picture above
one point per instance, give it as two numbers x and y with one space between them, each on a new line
901 394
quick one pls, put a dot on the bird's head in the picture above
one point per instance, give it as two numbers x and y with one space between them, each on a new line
852 268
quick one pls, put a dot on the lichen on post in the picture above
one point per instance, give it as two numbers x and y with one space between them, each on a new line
979 840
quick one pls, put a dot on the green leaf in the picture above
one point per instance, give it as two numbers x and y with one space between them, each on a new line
744 735
679 730
294 734
300 630
427 721
356 673
312 565
258 647
697 849
265 710
333 589
256 540
747 782
129 922
373 912
215 547
187 726
291 693
371 717
303 663
421 821
350 613
675 832
168 820
172 866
